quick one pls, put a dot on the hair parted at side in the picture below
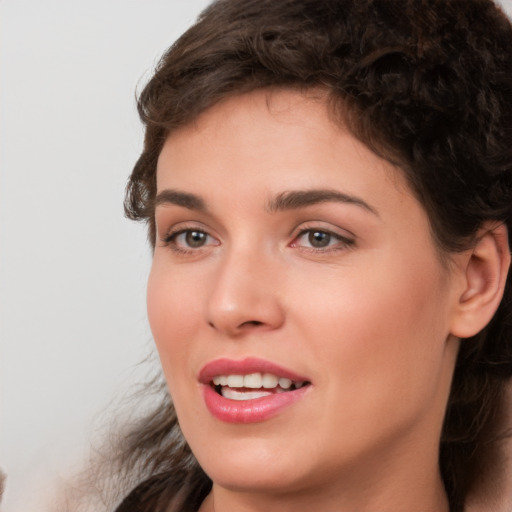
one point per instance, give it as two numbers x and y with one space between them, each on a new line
426 85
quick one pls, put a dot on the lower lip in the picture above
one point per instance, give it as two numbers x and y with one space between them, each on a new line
249 411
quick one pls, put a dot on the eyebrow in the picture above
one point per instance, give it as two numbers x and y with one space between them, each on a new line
289 200
184 199
295 199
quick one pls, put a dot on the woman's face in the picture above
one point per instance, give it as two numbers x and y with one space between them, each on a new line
298 302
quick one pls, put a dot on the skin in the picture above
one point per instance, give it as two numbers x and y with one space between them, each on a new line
369 318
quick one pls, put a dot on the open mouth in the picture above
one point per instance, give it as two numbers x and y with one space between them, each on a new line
250 390
253 386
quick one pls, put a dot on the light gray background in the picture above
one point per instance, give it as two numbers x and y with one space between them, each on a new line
72 270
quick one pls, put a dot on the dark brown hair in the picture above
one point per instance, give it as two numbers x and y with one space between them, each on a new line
426 84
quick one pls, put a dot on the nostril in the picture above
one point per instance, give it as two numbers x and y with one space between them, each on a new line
249 323
254 323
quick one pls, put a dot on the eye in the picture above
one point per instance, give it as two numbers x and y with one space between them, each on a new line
318 239
192 238
185 240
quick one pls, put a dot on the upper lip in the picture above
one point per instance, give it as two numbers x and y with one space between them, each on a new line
246 366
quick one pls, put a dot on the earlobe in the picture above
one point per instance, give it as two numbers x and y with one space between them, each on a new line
485 273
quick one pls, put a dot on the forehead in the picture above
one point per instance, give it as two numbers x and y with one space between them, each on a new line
270 131
258 145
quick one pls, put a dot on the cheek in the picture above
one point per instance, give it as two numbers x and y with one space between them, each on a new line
173 312
380 332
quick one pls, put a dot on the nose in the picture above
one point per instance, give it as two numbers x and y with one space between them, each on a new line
245 296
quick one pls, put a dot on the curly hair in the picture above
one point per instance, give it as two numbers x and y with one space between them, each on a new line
425 84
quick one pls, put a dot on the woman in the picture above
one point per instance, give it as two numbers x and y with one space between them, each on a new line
327 185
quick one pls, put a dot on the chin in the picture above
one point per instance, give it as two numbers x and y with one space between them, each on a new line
256 479
253 465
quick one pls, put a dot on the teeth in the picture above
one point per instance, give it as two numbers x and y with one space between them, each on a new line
256 381
235 381
233 394
270 381
285 383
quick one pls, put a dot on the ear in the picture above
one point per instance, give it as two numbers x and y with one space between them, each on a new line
485 268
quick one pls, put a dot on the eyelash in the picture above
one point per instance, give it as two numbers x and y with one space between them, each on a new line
169 240
341 242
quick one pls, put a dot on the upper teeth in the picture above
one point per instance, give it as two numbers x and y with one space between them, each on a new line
254 380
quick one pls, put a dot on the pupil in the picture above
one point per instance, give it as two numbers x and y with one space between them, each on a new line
319 239
195 238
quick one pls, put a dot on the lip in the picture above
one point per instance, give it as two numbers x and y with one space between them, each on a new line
247 411
245 367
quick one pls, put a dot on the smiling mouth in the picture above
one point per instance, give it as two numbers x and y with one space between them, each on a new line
253 386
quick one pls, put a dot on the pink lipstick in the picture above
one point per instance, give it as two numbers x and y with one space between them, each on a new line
251 390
